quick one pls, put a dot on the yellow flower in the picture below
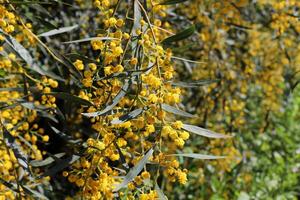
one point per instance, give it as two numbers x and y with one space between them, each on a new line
153 98
79 65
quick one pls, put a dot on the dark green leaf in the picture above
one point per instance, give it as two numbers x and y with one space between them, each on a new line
70 98
42 110
12 89
18 48
11 143
11 186
25 55
127 116
65 137
74 56
61 165
170 2
180 36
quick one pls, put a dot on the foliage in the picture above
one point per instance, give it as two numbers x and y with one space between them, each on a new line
143 99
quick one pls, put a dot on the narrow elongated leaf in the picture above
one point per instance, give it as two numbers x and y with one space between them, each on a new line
32 192
137 15
61 165
180 36
47 161
12 89
64 136
74 56
160 193
29 2
128 116
194 83
11 143
170 2
175 111
199 156
70 98
16 46
90 39
58 31
135 170
68 64
25 55
115 101
203 132
42 110
11 186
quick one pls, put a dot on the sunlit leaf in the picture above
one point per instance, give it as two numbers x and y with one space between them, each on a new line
203 132
58 31
175 111
135 170
47 161
160 193
32 192
114 102
194 84
199 156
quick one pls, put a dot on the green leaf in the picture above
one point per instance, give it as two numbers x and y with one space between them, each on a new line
2 73
11 186
203 132
64 136
89 39
199 156
58 31
18 48
12 89
11 144
29 2
160 193
40 109
67 63
179 36
134 171
47 161
170 2
32 192
69 97
115 101
74 56
127 116
62 164
25 55
194 84
175 111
